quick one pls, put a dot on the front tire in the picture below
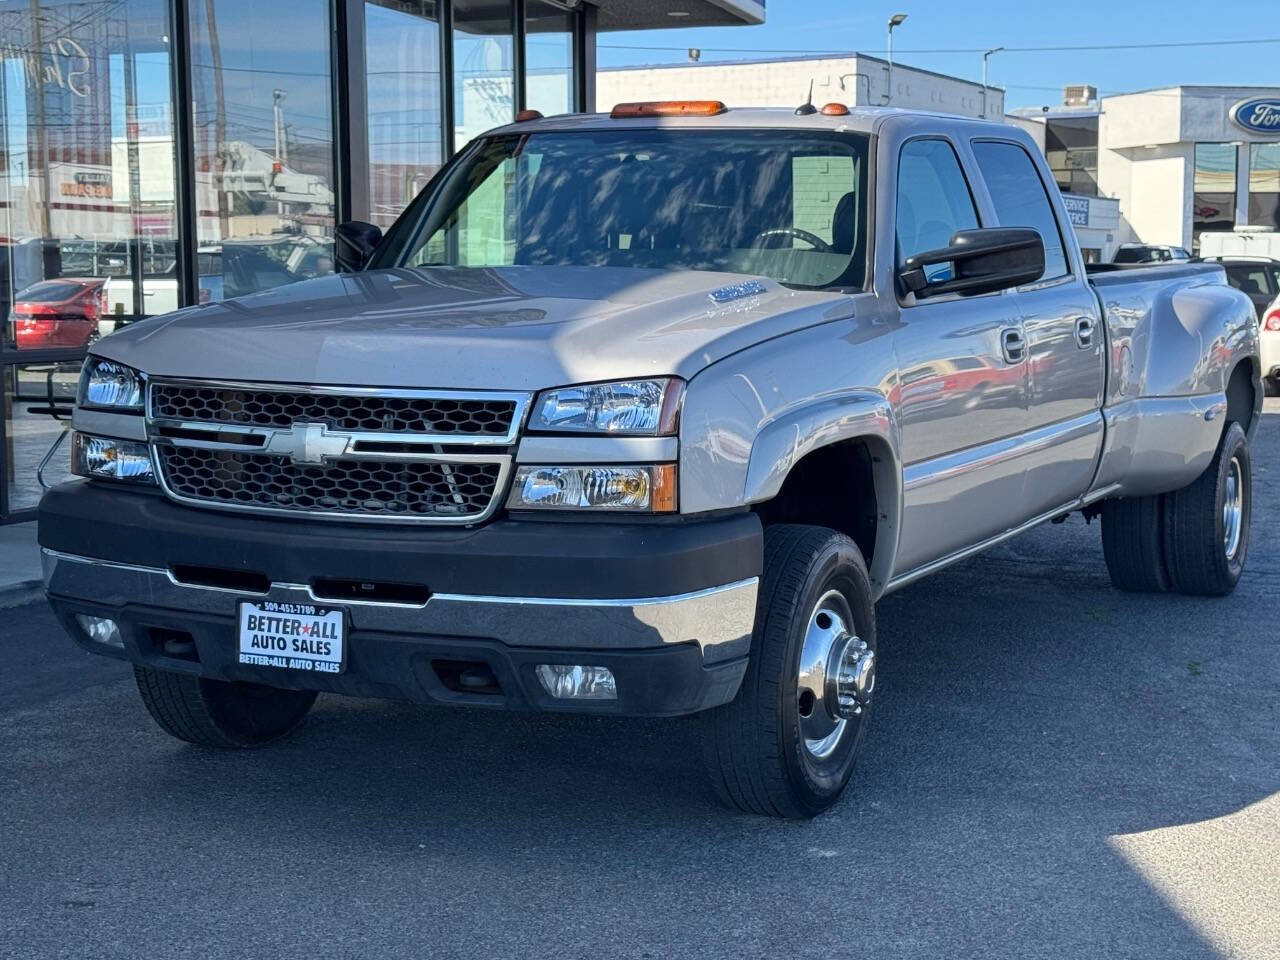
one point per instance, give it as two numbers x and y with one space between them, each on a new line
1206 524
215 713
787 743
1271 387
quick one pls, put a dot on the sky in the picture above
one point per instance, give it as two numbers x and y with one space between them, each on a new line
965 29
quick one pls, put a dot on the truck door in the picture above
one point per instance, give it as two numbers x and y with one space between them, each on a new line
1065 335
961 390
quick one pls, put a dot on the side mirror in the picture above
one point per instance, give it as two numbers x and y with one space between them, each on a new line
353 245
982 261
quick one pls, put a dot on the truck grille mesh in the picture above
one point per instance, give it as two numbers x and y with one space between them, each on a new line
410 489
282 408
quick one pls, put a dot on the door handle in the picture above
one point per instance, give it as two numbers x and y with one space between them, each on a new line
1084 332
1013 344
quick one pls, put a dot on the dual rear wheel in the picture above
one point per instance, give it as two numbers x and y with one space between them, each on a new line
1191 541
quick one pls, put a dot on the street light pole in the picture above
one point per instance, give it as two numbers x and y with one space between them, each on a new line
986 56
894 21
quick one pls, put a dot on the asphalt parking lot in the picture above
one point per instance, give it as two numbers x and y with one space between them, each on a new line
1055 770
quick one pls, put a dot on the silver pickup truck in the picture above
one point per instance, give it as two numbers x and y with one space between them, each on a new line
640 413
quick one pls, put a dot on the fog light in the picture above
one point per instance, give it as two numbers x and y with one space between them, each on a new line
574 682
101 630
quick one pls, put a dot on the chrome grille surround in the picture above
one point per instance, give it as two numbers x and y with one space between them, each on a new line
217 456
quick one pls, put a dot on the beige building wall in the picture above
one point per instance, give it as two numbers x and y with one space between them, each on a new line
856 80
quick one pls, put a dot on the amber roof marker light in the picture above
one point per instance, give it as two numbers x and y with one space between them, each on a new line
525 115
669 108
834 110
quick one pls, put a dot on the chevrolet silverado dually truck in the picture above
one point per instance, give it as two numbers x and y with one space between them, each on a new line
640 413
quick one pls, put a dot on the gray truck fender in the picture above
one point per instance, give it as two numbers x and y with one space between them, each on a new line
797 432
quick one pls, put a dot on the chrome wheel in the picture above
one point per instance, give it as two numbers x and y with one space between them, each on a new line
835 678
1233 508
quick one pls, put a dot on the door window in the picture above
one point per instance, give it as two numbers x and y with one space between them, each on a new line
934 201
1018 194
1255 281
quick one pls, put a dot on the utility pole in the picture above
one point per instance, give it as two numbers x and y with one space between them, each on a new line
985 57
894 21
219 123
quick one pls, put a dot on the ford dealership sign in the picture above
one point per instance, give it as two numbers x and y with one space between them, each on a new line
1258 116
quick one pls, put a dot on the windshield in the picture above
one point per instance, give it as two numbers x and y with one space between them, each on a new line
782 204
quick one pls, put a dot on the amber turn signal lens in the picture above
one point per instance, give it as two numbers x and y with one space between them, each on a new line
669 108
664 488
835 110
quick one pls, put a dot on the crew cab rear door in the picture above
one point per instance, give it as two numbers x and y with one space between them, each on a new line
961 390
1064 329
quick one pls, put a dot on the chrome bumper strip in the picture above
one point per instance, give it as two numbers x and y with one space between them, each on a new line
719 619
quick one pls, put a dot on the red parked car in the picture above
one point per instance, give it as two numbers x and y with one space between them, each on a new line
56 313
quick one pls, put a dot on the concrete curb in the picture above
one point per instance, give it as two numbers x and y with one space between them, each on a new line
21 593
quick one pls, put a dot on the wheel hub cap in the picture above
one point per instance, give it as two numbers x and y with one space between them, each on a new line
837 675
1232 509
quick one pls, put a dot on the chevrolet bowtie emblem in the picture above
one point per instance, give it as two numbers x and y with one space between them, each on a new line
311 443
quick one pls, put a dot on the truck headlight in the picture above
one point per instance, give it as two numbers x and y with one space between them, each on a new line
636 489
104 458
107 385
637 408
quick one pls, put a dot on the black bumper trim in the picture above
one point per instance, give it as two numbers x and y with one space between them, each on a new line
513 558
664 681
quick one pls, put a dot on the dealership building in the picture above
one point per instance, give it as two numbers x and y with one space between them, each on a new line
170 152
1176 162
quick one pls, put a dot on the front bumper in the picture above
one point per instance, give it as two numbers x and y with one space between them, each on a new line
676 649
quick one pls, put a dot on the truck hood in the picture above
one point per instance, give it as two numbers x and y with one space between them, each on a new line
523 327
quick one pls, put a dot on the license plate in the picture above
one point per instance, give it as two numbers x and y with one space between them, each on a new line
293 636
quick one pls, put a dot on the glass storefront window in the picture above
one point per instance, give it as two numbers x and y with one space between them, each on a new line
402 54
1264 185
30 430
1071 147
548 58
483 73
1214 201
263 120
86 169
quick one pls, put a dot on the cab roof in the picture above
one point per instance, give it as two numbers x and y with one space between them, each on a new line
856 119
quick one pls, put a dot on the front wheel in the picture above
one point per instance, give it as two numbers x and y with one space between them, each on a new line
787 743
215 713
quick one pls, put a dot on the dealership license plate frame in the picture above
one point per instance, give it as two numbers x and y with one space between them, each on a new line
290 660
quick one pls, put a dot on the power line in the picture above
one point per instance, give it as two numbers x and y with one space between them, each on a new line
1064 48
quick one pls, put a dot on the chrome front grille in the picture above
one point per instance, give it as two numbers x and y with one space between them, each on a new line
345 453
437 415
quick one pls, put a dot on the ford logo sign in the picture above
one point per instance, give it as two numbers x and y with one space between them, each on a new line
1258 116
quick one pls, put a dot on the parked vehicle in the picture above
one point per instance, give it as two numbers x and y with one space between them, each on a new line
225 271
640 414
56 313
1241 242
1258 278
1149 253
1270 347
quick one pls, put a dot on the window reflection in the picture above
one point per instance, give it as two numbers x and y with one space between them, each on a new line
86 170
402 54
1264 185
548 58
263 123
484 79
1214 201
